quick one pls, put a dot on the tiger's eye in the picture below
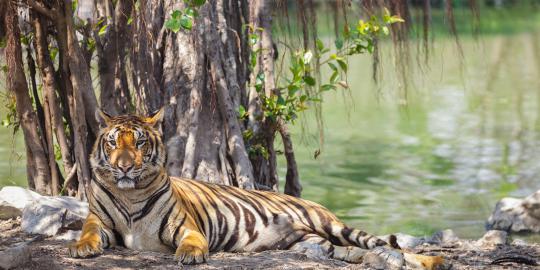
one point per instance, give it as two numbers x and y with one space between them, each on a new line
112 143
140 143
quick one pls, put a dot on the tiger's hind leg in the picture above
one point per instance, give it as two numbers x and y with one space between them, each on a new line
317 246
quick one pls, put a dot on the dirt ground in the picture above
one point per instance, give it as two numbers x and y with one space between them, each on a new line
50 254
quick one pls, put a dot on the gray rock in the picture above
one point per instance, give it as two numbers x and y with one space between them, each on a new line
516 215
53 215
15 255
14 199
383 258
531 204
443 237
69 235
519 242
492 238
311 250
405 240
8 211
18 197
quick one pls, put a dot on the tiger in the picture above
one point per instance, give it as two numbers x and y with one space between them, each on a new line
134 203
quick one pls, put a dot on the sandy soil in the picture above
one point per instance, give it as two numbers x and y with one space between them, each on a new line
50 254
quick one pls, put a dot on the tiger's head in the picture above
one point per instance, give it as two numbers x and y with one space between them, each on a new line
128 151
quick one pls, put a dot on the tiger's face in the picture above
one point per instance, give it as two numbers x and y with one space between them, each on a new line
128 152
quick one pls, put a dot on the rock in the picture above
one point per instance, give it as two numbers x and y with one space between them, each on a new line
14 199
52 215
14 256
405 240
69 235
383 258
492 238
516 215
17 196
519 242
531 204
443 237
8 211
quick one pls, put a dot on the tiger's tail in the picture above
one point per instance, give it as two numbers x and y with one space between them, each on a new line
343 235
340 234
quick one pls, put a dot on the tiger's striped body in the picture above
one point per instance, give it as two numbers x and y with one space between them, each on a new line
135 203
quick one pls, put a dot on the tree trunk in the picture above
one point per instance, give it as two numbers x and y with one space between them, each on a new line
53 113
111 51
201 77
16 83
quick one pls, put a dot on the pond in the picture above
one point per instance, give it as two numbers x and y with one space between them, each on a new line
468 136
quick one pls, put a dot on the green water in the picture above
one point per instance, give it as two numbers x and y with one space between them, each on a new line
469 136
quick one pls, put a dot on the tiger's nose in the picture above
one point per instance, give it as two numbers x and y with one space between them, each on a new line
125 166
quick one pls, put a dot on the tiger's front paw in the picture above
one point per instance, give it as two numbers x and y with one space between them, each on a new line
85 248
191 254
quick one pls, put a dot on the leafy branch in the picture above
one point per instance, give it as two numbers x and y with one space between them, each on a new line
292 96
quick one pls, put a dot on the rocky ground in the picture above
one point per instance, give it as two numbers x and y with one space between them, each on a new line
35 230
41 252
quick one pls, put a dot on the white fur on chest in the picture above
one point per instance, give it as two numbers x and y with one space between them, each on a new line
143 236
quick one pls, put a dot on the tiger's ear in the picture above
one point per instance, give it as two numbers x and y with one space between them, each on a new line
155 119
103 118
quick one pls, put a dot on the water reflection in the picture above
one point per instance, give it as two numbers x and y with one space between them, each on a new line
468 138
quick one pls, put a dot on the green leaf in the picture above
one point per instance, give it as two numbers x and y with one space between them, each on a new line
280 100
292 89
247 134
309 80
326 87
186 22
395 19
190 12
102 30
25 39
176 14
253 39
342 64
332 66
242 113
334 78
259 82
173 25
385 30
74 5
130 20
339 43
320 45
53 52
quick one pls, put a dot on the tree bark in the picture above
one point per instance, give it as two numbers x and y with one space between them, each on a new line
52 104
111 51
82 100
16 83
